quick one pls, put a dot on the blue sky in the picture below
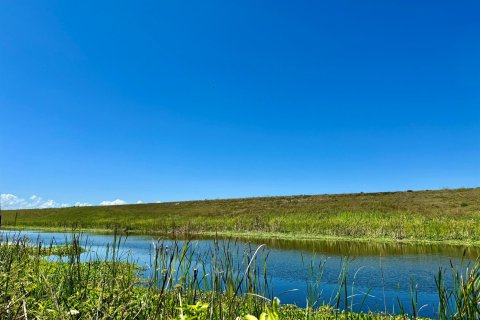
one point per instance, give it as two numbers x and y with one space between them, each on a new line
179 100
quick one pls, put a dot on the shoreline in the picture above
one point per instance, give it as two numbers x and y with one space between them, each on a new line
254 236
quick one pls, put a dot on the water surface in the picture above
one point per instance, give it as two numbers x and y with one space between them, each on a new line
387 272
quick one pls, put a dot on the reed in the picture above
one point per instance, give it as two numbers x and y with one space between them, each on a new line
462 301
180 283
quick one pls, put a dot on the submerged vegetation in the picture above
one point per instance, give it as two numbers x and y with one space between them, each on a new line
179 283
440 215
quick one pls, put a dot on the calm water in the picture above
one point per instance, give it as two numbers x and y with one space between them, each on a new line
388 272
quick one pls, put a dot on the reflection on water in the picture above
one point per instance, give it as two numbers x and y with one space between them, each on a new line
356 248
372 248
387 271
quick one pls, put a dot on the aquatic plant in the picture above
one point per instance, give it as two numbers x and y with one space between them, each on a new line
180 283
462 301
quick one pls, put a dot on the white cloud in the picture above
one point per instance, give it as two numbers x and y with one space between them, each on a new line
8 200
36 202
11 201
49 204
113 203
82 204
139 202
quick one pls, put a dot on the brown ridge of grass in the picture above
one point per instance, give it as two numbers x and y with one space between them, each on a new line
430 215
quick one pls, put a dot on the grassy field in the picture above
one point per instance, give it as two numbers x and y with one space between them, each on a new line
438 215
181 285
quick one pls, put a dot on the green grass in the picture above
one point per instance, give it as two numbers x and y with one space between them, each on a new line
51 250
181 285
439 215
32 287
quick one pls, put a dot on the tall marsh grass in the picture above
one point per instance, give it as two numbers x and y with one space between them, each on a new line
180 283
462 301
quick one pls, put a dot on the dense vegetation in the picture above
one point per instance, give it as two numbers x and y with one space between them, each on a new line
452 215
178 285
441 215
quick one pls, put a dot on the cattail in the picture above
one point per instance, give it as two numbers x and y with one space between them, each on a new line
195 274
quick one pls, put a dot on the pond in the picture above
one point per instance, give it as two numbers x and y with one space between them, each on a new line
380 276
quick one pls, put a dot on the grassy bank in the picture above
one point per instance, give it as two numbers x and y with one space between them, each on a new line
440 215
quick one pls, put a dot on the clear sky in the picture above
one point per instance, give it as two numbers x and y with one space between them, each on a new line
179 100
